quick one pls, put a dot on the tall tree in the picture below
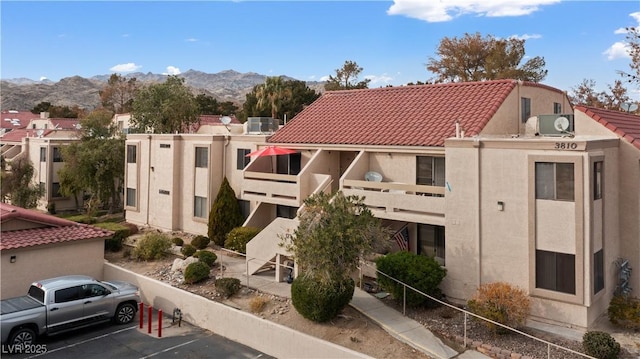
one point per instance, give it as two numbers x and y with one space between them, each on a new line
96 162
207 105
346 78
299 96
586 94
119 93
167 107
18 187
272 93
474 58
225 214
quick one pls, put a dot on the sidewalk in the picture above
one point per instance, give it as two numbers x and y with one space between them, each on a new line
399 326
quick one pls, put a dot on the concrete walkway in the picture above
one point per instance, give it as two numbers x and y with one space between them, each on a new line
399 326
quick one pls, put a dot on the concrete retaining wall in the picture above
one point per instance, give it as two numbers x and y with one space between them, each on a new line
268 337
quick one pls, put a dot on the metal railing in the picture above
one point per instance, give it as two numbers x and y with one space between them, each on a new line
467 314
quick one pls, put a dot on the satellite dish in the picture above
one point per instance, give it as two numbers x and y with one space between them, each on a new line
225 120
39 133
561 124
629 106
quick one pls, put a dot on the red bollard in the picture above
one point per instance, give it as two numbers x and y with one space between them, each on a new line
159 323
141 315
150 317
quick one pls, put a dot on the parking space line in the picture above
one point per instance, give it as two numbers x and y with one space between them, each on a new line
82 342
166 350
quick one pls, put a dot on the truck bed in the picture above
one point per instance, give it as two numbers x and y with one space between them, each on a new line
17 304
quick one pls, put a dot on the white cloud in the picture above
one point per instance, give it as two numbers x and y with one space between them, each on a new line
439 11
617 51
128 67
526 36
191 39
380 80
172 70
42 78
636 16
324 78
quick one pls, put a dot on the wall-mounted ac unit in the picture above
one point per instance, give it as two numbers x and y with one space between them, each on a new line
556 125
262 125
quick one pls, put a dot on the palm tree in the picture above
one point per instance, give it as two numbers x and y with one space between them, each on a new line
272 92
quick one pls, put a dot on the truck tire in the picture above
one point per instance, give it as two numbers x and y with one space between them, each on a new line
125 313
22 336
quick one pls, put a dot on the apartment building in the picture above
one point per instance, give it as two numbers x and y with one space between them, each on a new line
498 180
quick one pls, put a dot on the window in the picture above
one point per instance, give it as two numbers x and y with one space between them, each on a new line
598 271
165 145
286 211
43 154
554 181
556 271
55 190
245 208
202 157
288 164
200 207
131 154
243 160
430 171
597 180
525 107
67 294
94 290
131 197
57 155
557 107
431 242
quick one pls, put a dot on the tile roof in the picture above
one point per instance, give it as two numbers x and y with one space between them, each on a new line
625 125
65 123
53 230
421 115
18 135
23 118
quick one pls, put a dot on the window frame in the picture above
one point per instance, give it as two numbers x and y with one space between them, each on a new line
57 154
43 154
242 161
438 243
554 171
55 190
131 194
200 207
525 108
132 154
555 271
598 167
598 271
201 157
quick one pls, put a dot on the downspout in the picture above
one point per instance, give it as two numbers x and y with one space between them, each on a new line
479 224
148 177
224 156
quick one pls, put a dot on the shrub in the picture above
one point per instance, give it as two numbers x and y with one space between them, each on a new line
257 304
196 272
177 241
82 218
200 242
188 250
238 238
133 229
227 286
208 257
225 214
51 208
624 311
421 272
152 246
600 345
502 303
120 232
320 302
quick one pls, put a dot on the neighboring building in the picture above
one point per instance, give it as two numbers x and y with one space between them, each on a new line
206 124
37 246
483 176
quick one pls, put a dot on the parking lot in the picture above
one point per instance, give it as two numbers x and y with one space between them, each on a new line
128 341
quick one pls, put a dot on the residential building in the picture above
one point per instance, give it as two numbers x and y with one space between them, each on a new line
498 180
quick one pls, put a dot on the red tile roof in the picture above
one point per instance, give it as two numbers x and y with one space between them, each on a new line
65 123
23 118
623 124
18 135
52 230
421 115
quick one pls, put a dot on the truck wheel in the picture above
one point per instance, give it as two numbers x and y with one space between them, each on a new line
125 313
22 336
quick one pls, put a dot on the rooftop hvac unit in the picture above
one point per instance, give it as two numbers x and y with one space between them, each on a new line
555 125
261 125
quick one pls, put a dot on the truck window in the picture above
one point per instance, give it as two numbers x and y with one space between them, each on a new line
67 294
94 290
36 293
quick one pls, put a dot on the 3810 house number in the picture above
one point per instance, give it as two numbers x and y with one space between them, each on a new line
566 146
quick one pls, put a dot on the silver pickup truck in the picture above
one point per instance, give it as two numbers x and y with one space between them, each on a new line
64 303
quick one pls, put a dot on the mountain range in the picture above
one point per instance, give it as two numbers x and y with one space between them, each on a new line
24 94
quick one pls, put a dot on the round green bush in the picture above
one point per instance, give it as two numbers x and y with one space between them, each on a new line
421 272
177 241
188 250
196 272
320 302
152 246
600 345
227 286
200 242
208 257
238 238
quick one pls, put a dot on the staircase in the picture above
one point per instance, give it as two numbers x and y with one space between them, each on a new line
264 250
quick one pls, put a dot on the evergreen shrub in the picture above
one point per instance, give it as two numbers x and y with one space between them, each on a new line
238 238
196 272
318 301
152 246
200 241
600 345
188 250
208 257
227 287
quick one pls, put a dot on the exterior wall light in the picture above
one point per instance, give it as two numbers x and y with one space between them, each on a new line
500 206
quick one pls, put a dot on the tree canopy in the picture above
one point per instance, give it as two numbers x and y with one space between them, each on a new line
346 78
586 94
56 111
207 105
294 96
474 58
17 184
166 107
119 93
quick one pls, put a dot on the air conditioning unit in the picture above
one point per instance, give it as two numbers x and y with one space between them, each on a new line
262 125
556 125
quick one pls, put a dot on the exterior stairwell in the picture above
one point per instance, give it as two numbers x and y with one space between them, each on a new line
264 251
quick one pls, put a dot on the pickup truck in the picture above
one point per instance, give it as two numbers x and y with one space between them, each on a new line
61 304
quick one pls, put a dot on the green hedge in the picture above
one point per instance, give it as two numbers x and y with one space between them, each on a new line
320 302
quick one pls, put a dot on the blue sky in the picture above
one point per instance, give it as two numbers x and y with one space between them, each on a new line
391 40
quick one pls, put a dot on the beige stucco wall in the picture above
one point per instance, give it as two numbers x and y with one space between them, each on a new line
48 261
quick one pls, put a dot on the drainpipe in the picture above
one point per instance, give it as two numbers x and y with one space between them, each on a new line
224 156
479 224
149 176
